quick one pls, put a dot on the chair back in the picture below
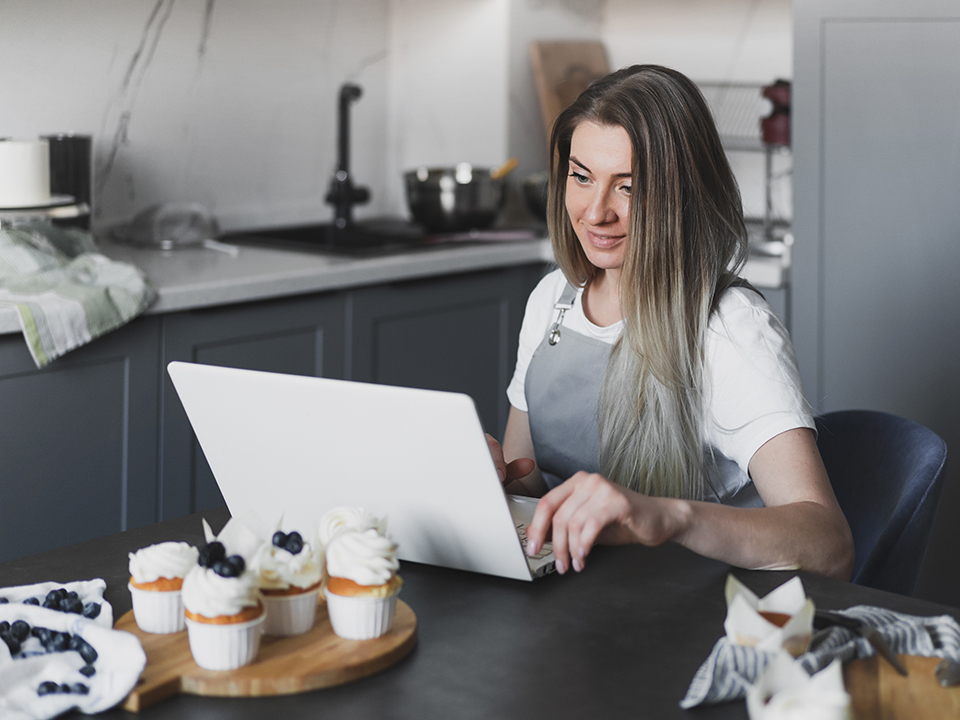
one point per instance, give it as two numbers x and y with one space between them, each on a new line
887 474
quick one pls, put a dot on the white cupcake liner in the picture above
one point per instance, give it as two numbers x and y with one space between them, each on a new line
159 612
224 647
361 618
290 614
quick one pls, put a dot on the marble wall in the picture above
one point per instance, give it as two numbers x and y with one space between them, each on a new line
233 103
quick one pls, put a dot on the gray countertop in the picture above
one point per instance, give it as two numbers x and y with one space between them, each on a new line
200 277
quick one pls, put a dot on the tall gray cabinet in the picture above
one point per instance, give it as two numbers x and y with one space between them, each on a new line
875 292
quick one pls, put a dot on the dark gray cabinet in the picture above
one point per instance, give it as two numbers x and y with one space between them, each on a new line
97 442
78 440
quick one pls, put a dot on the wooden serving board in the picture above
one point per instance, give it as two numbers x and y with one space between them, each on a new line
878 692
284 666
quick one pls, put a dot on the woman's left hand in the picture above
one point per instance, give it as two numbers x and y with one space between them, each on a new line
588 508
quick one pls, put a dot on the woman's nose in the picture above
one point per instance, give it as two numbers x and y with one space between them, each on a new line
600 209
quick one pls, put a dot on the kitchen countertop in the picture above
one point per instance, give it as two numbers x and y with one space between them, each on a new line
198 277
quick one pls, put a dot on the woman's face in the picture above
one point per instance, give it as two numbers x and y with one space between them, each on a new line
598 191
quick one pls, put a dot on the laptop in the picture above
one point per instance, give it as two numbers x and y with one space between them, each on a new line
293 446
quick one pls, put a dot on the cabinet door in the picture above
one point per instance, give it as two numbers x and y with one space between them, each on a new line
302 336
78 440
457 333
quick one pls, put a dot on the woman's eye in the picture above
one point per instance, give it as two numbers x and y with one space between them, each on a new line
580 178
626 188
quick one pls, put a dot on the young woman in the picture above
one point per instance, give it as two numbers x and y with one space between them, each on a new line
656 396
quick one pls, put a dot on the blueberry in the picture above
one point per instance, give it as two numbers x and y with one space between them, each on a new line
52 603
71 605
48 687
280 539
86 651
237 563
74 642
294 543
211 553
12 643
31 601
56 595
221 568
64 688
91 610
4 626
88 671
20 630
80 688
72 594
43 634
58 642
3 601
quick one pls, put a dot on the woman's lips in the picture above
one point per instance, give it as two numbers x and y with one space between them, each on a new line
605 242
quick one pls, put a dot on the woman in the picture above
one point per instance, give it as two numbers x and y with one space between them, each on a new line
656 396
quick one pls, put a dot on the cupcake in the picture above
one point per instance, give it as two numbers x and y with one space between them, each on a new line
345 517
156 578
362 584
290 575
224 614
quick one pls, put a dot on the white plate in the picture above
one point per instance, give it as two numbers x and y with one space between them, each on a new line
55 201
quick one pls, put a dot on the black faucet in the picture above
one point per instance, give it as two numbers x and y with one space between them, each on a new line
342 194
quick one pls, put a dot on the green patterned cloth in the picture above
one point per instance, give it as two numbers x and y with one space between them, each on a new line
65 291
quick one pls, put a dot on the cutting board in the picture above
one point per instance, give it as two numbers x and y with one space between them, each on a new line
563 69
284 666
878 692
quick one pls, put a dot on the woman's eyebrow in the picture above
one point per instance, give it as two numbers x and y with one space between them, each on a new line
586 169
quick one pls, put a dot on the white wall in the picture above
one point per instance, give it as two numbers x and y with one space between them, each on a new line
229 103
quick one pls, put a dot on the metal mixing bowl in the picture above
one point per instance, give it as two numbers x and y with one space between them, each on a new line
454 199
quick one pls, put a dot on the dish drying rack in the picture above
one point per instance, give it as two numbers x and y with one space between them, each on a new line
737 110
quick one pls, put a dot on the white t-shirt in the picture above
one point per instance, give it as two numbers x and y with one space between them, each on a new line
752 385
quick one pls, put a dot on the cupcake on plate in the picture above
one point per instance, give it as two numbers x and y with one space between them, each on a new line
344 518
224 614
156 579
290 577
362 584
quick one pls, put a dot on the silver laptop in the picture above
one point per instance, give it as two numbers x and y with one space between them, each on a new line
296 446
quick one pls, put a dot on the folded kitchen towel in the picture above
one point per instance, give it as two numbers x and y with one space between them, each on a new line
730 669
53 659
65 292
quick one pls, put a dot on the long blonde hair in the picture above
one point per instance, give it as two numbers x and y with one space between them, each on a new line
686 242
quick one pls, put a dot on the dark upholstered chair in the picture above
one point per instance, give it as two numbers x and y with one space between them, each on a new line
887 473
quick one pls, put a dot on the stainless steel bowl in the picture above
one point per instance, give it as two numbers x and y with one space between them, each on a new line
454 199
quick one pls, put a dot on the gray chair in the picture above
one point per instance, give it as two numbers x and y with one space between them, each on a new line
887 473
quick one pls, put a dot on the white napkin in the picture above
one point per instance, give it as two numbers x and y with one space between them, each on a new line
119 662
786 692
781 619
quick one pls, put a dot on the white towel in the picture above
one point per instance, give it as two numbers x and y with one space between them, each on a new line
65 292
119 662
730 668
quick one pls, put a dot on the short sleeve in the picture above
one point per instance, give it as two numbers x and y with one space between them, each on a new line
536 319
753 390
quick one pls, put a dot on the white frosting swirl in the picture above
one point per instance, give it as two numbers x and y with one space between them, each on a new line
164 560
280 569
344 518
208 594
367 557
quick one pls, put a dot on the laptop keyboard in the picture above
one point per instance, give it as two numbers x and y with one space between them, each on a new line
547 548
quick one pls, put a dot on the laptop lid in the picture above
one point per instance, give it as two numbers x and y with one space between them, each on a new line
298 446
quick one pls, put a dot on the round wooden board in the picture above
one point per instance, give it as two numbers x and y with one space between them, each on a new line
285 665
878 692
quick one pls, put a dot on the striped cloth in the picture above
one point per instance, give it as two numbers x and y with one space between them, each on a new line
731 669
65 292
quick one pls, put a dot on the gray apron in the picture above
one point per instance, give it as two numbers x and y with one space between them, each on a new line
562 388
563 385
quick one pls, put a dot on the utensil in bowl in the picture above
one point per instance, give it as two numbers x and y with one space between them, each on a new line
454 199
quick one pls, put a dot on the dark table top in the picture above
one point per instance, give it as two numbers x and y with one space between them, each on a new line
621 639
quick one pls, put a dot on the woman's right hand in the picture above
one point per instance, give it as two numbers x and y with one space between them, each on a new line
509 471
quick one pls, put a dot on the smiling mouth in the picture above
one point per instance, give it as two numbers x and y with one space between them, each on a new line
605 242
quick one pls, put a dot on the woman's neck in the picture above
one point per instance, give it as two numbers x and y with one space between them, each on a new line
601 298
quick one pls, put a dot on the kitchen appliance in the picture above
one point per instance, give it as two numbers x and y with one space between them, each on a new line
70 173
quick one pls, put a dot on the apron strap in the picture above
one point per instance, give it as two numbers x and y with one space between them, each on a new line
565 302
